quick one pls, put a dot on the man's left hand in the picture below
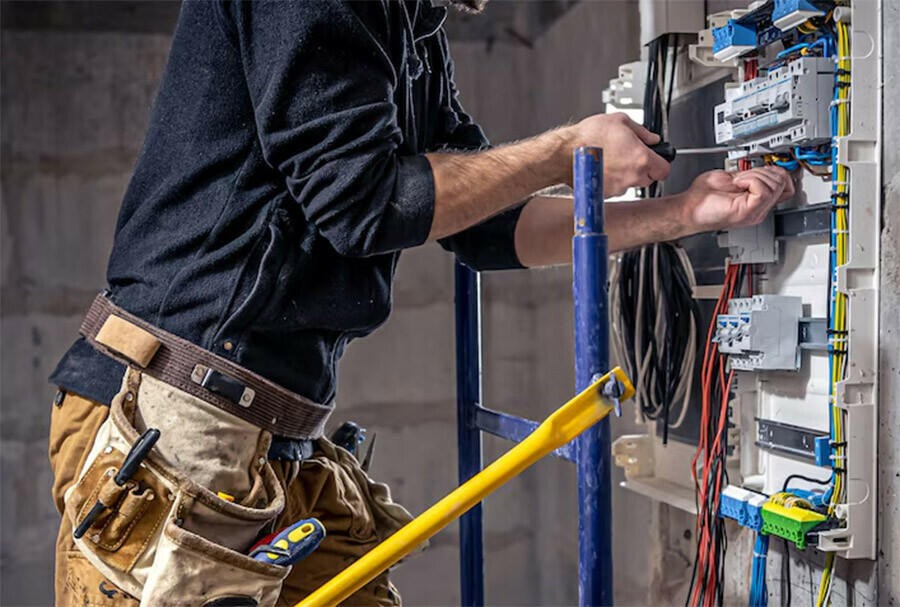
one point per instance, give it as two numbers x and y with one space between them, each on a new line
720 200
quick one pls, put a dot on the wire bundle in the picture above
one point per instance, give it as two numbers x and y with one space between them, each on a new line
655 316
837 313
759 592
655 321
708 466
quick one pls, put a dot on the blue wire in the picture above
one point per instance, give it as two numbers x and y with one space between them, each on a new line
812 155
759 593
792 49
788 165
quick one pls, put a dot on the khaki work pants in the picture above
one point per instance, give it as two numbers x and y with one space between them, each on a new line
328 486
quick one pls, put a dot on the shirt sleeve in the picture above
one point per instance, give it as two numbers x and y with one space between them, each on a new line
489 245
322 86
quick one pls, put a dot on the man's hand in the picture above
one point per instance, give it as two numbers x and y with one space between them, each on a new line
627 161
715 201
719 200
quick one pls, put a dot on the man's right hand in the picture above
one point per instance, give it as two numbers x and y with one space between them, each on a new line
627 159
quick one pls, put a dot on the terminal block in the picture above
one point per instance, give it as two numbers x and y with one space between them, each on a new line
790 523
787 108
788 14
733 40
760 333
743 506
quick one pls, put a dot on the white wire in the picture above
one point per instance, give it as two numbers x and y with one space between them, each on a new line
685 386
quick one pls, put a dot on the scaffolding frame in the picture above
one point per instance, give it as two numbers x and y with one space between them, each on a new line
591 451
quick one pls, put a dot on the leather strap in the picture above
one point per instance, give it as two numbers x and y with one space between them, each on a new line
184 365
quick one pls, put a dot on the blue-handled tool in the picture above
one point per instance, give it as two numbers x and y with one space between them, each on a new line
291 544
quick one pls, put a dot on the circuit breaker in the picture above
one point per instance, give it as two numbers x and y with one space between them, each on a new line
788 107
761 332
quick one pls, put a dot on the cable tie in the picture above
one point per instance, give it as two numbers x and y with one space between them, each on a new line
840 231
839 470
842 85
836 102
842 58
840 194
841 72
836 332
838 444
840 182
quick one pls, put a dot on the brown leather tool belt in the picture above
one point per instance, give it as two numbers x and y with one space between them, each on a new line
188 367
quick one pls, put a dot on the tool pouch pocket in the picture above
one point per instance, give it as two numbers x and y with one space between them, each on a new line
165 538
191 571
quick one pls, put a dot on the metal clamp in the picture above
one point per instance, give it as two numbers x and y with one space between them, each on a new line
223 385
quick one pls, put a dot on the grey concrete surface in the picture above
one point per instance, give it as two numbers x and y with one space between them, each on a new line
888 412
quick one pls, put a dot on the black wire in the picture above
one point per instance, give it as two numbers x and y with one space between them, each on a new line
675 302
791 477
786 575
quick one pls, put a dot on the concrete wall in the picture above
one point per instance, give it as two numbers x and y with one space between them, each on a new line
75 102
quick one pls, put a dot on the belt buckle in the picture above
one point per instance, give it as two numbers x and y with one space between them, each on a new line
223 385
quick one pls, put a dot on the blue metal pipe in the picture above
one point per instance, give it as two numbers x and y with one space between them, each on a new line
468 401
589 257
515 429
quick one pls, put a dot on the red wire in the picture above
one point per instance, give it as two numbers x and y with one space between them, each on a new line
707 542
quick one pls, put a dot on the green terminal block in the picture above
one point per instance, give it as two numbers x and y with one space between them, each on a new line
790 523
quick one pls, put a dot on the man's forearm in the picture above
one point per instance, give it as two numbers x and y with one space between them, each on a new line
470 187
545 228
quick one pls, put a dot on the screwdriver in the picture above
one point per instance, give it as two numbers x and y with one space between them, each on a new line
291 544
136 455
668 151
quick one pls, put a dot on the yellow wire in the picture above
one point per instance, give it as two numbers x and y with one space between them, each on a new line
839 339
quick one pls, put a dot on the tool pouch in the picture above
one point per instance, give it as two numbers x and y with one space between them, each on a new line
164 537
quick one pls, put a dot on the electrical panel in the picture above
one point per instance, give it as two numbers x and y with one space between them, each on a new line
796 319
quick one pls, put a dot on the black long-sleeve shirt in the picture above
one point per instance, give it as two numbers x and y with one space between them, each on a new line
282 173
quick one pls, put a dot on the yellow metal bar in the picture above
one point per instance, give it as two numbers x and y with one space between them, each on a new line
570 420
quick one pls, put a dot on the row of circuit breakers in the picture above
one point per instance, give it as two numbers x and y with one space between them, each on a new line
773 115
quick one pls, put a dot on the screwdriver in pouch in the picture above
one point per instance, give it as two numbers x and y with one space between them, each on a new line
136 455
291 544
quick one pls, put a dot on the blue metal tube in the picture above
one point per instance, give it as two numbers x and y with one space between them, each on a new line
589 257
515 429
468 401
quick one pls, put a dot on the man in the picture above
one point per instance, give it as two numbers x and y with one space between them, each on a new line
293 152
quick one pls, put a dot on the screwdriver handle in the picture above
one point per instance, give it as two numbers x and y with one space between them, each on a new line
664 149
136 455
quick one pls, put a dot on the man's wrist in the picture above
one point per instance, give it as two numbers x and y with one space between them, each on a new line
683 219
562 142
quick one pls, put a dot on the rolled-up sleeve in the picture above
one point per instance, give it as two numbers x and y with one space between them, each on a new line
489 245
322 87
